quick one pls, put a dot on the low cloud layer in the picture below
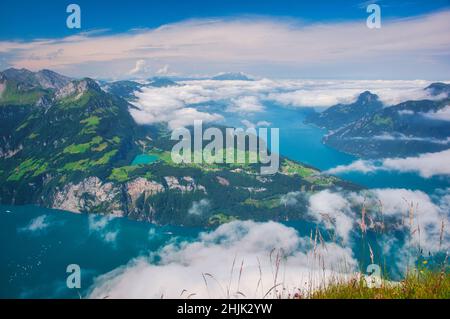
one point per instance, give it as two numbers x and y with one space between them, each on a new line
168 105
334 211
179 105
427 165
424 217
421 214
204 268
440 115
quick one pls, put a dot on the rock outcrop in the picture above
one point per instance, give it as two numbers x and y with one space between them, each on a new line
90 195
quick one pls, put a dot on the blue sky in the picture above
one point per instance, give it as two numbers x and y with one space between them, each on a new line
206 37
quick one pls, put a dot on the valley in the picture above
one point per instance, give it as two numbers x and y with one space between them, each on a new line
74 146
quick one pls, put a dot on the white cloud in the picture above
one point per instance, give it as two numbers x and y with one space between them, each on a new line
168 105
413 212
362 166
325 93
263 123
176 105
406 112
187 265
246 104
427 165
416 212
164 70
314 98
394 201
37 224
254 245
334 211
441 115
100 226
110 237
97 223
281 46
140 68
403 137
290 199
419 213
199 207
249 124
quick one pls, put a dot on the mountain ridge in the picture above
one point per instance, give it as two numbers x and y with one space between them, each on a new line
232 76
405 129
343 114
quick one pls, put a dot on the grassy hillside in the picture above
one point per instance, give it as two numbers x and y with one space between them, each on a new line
419 284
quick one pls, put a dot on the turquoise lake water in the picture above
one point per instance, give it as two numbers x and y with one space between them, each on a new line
33 260
303 142
37 244
144 159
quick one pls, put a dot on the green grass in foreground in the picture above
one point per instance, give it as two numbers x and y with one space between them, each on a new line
421 285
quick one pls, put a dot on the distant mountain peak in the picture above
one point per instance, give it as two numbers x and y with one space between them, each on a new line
367 96
124 88
13 71
232 76
159 81
51 79
45 79
19 75
439 88
340 115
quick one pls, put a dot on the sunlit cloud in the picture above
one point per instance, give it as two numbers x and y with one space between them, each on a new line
182 270
263 46
427 165
441 115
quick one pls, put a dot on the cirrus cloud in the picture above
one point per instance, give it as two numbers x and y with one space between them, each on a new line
279 46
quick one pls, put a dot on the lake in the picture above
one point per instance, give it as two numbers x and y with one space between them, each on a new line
144 159
303 142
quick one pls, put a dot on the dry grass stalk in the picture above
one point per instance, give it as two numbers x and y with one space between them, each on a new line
363 219
441 234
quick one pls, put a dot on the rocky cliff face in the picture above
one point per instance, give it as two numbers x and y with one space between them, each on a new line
187 184
88 195
2 87
51 80
76 89
91 194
